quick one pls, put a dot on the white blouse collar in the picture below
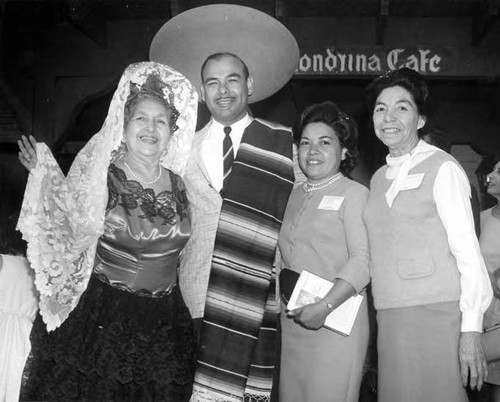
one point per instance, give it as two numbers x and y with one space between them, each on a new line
398 168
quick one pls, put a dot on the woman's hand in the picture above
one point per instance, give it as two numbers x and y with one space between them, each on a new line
311 316
27 152
473 367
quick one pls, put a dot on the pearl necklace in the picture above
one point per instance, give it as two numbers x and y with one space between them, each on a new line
147 183
309 187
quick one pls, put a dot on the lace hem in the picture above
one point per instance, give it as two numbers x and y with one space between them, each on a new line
203 395
61 223
115 346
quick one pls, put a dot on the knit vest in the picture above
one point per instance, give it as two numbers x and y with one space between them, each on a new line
410 259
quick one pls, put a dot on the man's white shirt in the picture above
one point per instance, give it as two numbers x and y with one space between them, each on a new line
211 151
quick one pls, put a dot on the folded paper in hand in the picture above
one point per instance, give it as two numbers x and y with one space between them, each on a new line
311 288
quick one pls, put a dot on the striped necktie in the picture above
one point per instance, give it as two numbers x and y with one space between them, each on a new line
228 154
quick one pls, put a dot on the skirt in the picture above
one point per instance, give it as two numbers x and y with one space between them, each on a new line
492 320
115 346
322 365
418 354
491 346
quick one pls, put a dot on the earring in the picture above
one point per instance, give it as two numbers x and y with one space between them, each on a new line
344 154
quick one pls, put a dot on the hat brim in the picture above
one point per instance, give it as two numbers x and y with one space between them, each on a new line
265 45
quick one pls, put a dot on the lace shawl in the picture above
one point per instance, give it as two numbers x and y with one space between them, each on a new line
63 217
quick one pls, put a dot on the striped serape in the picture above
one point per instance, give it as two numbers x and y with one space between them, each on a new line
239 337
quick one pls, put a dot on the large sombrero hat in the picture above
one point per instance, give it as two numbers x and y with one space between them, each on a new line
262 42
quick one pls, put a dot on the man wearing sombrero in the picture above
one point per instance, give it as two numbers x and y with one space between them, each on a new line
238 180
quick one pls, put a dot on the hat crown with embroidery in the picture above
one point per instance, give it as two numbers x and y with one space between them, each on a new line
265 45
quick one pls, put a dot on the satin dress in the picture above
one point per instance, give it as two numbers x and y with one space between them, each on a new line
131 336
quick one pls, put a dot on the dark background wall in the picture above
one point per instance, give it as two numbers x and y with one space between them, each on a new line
61 60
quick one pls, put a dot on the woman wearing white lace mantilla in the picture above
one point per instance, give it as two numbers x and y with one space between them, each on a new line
104 242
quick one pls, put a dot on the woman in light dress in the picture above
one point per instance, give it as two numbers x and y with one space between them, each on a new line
323 233
18 300
489 241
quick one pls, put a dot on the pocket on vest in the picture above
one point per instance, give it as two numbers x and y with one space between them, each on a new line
414 269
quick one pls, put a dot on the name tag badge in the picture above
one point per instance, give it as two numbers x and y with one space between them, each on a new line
412 181
331 203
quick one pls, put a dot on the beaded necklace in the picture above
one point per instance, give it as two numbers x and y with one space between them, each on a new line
309 187
143 182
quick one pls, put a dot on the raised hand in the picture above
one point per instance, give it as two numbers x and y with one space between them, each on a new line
27 152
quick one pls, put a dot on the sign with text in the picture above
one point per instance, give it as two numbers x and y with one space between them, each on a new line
377 60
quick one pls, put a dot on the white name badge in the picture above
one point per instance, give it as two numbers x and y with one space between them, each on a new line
412 181
331 203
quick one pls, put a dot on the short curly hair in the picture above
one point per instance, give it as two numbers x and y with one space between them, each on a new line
344 127
406 78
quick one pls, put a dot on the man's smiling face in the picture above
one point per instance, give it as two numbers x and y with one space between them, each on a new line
225 89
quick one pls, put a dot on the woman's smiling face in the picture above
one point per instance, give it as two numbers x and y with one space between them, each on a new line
493 182
396 120
320 152
148 130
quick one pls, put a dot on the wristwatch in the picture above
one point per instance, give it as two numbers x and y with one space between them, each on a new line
328 304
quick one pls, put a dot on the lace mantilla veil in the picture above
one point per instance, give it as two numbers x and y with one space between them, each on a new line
63 217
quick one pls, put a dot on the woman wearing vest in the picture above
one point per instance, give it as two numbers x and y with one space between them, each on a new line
323 233
429 281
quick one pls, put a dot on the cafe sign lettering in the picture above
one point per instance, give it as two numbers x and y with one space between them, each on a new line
333 61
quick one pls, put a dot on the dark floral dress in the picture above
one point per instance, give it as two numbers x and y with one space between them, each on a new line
131 336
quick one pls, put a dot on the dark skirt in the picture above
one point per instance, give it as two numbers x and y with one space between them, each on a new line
114 346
